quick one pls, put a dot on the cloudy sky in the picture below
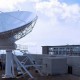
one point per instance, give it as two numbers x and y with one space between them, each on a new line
58 20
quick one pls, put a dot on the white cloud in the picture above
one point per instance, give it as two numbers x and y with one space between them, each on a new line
33 0
6 5
55 9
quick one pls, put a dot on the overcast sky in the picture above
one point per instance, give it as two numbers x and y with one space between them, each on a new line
58 20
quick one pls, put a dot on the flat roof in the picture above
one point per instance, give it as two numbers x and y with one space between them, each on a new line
63 46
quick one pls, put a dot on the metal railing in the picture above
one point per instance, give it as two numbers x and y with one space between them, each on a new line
22 47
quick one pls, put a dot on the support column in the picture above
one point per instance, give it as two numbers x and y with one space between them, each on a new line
9 64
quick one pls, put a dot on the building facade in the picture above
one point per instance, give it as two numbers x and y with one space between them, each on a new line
61 50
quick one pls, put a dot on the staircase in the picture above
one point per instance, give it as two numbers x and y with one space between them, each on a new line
33 63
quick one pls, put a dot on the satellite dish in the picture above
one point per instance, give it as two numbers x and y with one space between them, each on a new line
14 26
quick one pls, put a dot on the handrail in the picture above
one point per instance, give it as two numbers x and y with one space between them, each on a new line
22 47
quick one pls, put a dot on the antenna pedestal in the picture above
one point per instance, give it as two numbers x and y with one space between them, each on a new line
9 65
9 70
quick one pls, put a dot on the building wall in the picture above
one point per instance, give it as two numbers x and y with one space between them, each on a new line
45 50
74 62
54 65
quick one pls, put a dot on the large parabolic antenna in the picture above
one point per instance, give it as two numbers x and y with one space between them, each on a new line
14 26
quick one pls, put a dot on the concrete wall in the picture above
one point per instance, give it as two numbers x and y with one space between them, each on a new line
76 70
54 65
73 60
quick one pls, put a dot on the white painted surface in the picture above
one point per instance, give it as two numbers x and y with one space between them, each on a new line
12 20
54 65
9 62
